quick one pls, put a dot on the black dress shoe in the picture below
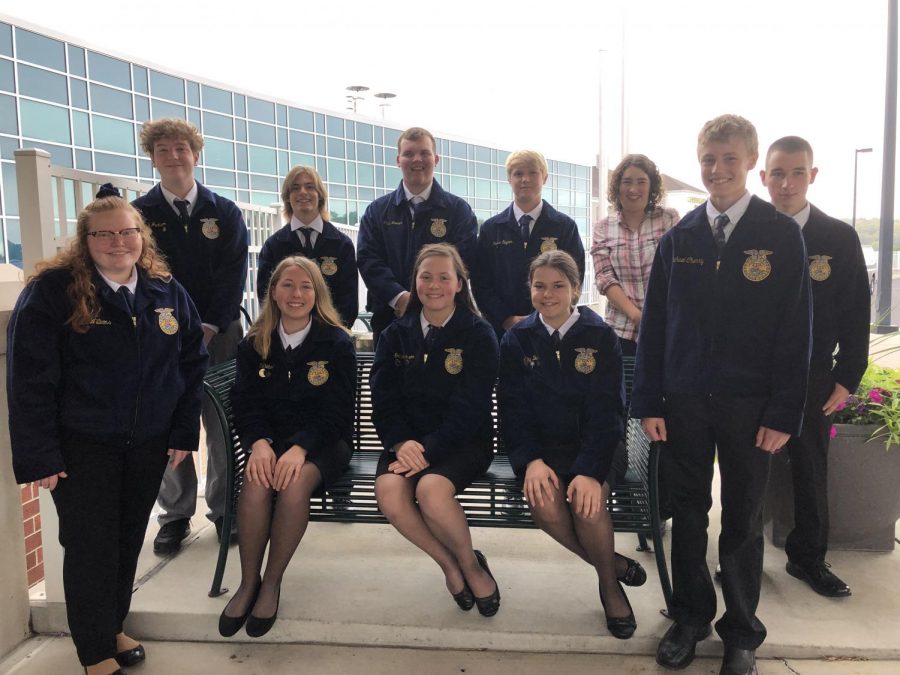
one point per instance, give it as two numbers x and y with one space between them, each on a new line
677 647
820 578
487 606
229 625
168 539
219 522
131 657
257 627
635 574
738 661
621 627
465 598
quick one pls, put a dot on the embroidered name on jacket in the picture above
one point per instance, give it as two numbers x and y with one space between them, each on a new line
687 260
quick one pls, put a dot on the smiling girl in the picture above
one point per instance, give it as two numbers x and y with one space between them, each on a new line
293 407
431 382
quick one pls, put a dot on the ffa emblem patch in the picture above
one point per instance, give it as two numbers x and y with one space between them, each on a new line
453 364
819 269
757 267
328 266
548 244
168 324
210 228
439 227
317 374
265 370
585 361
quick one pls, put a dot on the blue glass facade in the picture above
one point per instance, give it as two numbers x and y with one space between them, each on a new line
86 108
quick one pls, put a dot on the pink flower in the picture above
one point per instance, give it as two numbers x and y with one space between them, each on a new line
840 406
833 432
875 396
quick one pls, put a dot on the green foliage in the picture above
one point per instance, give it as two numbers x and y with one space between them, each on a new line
876 401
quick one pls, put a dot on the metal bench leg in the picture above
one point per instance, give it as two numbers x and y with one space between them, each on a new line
642 543
216 590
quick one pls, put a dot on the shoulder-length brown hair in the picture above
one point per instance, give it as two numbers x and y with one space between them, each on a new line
645 164
463 297
77 259
260 332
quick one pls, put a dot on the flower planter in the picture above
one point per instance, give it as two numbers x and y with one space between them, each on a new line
863 493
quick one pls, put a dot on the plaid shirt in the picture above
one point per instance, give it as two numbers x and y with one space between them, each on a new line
623 257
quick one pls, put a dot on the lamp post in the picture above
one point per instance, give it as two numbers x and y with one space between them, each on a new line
352 99
385 96
855 162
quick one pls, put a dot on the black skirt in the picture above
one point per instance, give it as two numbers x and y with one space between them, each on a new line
461 467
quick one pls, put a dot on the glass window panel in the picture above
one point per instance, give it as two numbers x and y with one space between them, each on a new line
334 126
42 84
351 173
281 114
78 93
113 135
109 70
10 189
379 177
243 180
364 152
141 80
58 154
385 157
81 127
218 153
391 138
111 101
351 150
284 164
337 191
243 197
483 205
303 142
366 194
337 171
377 135
163 109
483 188
581 199
40 49
243 163
320 123
335 148
564 199
166 86
262 160
76 61
220 178
194 117
338 208
354 209
5 39
141 108
263 183
565 168
114 164
482 170
363 132
7 78
301 119
216 99
47 122
504 193
459 186
349 130
306 160
262 134
282 137
240 105
482 154
83 160
262 198
240 130
193 93
458 149
8 146
264 111
459 167
392 176
322 167
8 118
217 125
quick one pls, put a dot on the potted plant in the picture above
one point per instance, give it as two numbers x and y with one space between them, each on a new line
863 470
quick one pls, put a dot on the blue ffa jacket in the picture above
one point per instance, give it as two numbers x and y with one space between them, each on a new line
742 329
441 398
575 400
304 397
210 259
333 253
122 383
840 290
500 272
389 240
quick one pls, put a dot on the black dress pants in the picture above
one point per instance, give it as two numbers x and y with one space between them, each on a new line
103 506
698 427
808 541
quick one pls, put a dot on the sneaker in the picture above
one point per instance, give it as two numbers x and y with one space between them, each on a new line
168 539
820 578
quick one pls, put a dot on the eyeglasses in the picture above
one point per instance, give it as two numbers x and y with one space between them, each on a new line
108 235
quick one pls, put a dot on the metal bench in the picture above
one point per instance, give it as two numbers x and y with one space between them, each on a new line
494 500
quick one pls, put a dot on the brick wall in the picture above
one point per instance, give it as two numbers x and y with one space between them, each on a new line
31 519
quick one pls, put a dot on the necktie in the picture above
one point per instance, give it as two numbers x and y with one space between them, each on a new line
719 231
417 208
557 339
524 223
126 300
306 236
182 206
430 337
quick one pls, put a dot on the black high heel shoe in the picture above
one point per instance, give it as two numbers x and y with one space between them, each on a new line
635 574
257 627
487 606
131 657
229 625
621 627
465 598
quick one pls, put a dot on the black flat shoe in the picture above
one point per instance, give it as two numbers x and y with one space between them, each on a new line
635 574
257 627
465 598
131 657
621 627
229 625
487 606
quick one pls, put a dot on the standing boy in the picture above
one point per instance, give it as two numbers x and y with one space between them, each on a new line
508 242
722 366
840 289
204 239
395 226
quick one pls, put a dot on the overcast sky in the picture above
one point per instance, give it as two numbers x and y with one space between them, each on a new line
523 73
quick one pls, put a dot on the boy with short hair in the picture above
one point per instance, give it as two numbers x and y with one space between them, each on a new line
204 240
721 367
508 242
840 291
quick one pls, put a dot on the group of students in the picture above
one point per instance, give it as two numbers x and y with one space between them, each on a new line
721 329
